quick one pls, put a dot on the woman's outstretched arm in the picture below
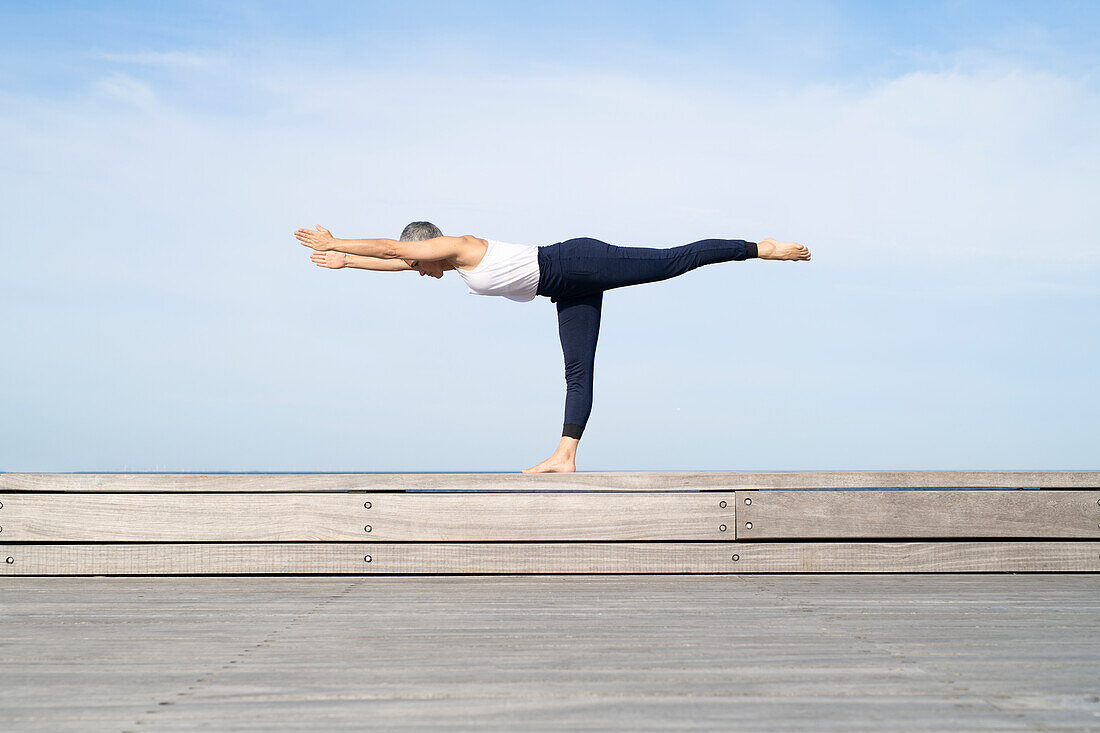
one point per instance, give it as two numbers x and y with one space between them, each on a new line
438 248
340 260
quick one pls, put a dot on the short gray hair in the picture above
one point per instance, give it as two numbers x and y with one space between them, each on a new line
418 231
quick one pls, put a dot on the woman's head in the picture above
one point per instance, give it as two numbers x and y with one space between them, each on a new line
418 231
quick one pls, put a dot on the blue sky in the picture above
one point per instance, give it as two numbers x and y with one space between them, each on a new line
942 161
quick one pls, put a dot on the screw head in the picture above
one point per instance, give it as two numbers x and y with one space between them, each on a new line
721 528
748 501
735 558
367 558
366 505
721 504
367 528
748 525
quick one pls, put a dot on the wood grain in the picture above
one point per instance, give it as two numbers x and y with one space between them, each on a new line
924 514
760 653
571 557
426 517
917 557
602 481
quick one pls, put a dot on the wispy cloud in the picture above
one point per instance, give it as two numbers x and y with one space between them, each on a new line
171 59
125 88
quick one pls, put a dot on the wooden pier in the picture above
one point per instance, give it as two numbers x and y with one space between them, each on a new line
610 601
619 523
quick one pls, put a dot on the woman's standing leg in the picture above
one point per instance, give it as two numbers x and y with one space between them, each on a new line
578 329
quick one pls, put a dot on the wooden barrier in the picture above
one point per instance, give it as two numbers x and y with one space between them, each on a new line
106 524
424 517
897 514
556 557
601 481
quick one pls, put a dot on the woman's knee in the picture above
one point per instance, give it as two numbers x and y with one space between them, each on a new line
579 371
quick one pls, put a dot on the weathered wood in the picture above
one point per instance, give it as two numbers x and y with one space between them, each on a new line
917 557
601 481
903 514
426 517
761 653
568 557
543 557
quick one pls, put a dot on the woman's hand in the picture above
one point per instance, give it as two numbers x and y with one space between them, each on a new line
331 260
320 240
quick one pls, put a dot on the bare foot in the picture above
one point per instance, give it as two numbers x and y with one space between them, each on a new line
554 464
769 249
564 459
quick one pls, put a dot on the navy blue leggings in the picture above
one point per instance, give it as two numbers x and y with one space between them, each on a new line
575 273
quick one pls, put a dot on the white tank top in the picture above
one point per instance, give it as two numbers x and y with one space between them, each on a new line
511 270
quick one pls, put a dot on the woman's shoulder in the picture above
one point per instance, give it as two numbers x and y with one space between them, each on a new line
471 250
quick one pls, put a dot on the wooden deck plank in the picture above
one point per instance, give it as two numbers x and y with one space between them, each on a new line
917 514
555 558
601 481
425 517
505 653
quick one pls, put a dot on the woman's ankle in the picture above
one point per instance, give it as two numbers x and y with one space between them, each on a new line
567 448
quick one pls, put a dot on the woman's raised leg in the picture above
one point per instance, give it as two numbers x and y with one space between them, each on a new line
625 266
588 265
578 329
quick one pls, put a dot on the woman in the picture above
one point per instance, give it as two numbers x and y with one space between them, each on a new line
574 274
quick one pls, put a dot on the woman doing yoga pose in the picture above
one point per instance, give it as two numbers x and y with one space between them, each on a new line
573 274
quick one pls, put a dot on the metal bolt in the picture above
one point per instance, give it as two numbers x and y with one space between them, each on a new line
367 528
721 528
721 504
366 505
748 525
10 560
367 558
747 501
735 558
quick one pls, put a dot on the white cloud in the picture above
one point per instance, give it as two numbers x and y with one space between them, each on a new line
171 59
985 163
995 163
125 88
